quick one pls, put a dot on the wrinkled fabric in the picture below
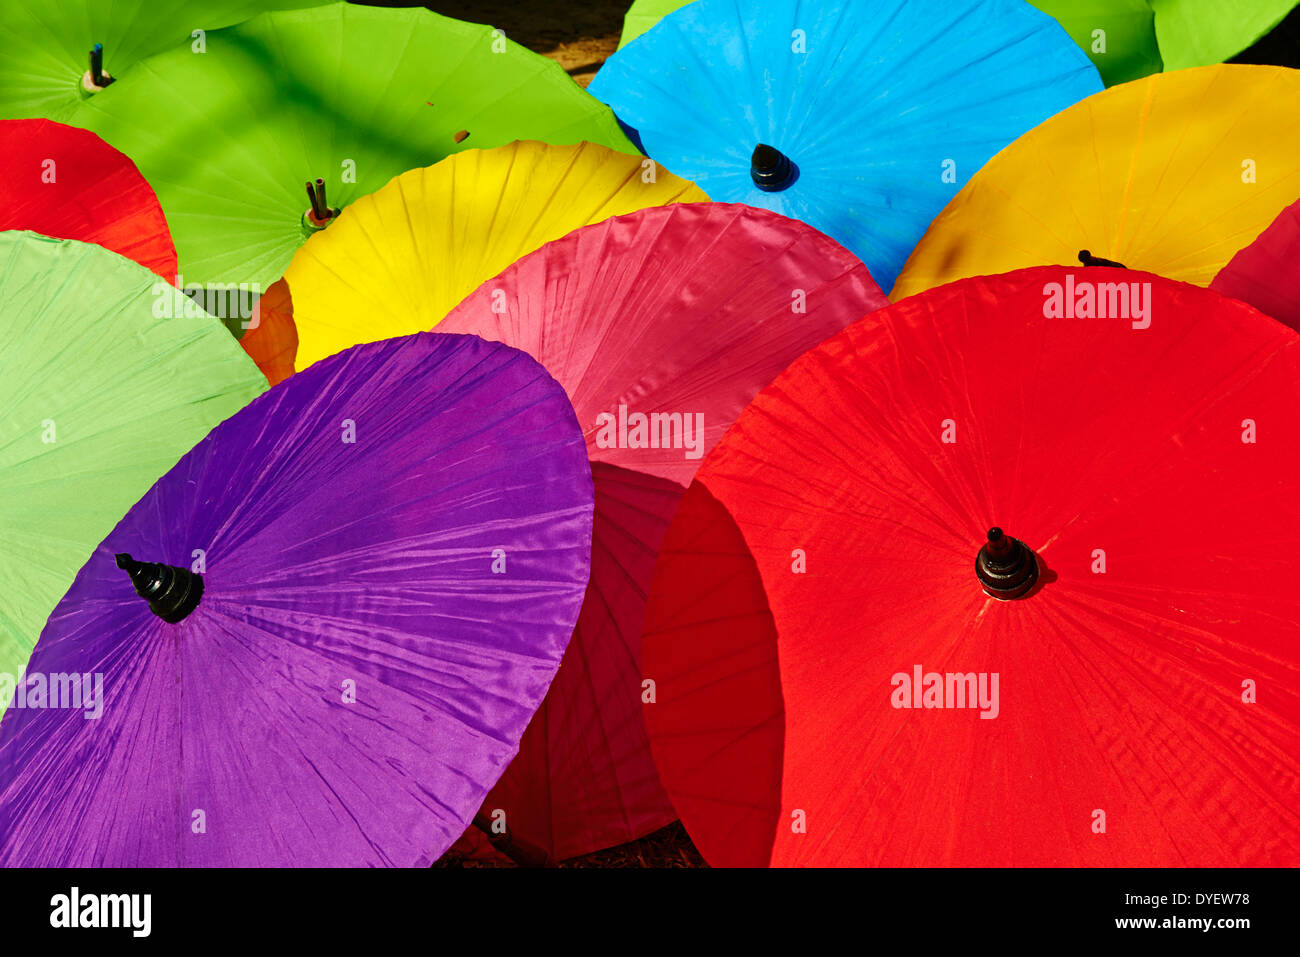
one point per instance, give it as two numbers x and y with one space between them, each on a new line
272 342
683 310
98 398
1266 273
1172 174
886 107
717 729
45 44
1166 590
1129 27
642 15
1126 29
351 94
67 183
432 569
405 255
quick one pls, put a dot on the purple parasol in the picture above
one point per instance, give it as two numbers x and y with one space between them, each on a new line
393 547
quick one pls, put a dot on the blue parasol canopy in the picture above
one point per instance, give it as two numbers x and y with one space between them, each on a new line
860 118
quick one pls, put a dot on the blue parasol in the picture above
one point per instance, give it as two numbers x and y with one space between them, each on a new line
862 119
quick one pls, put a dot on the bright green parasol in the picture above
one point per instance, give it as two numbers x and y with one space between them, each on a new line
101 392
45 44
1201 32
1119 36
348 95
643 14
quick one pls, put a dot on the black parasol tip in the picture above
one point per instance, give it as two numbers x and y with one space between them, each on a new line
96 76
1006 567
172 592
771 170
1088 259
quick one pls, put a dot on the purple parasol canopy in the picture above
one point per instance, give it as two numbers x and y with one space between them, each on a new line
393 548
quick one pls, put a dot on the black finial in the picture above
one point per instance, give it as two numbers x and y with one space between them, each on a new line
1006 567
1088 259
97 75
172 592
771 170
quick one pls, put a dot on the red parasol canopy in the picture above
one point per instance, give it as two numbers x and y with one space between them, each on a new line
1131 698
718 730
1266 273
67 183
661 325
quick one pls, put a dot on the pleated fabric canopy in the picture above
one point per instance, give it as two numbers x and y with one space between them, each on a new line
317 639
717 731
661 325
1172 174
870 115
69 184
405 255
644 14
346 94
107 377
1266 273
271 339
45 47
1119 36
1129 39
1031 656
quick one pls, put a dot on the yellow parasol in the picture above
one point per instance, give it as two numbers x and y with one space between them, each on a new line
1172 174
398 260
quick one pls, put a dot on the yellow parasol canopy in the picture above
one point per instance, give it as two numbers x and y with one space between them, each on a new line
395 262
1172 174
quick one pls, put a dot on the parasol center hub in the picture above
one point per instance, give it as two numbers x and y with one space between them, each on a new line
311 222
90 86
96 78
1005 567
319 212
771 170
171 591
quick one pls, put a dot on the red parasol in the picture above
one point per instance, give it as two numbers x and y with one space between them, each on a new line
1130 696
1266 273
718 729
661 325
67 183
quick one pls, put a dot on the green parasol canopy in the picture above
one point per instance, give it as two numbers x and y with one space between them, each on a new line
643 14
45 46
1119 36
1201 32
107 378
350 95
